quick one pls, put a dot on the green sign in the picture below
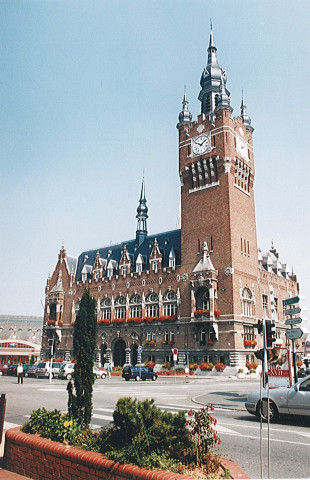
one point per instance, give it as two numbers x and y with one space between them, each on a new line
291 301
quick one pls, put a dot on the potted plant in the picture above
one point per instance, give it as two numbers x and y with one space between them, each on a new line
240 373
220 367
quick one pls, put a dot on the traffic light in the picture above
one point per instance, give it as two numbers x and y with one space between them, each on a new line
259 354
259 326
270 333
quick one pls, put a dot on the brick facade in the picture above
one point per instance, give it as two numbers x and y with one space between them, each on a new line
208 280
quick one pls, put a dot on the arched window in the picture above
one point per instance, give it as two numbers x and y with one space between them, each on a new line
152 307
170 303
52 311
247 303
105 309
135 306
202 299
120 307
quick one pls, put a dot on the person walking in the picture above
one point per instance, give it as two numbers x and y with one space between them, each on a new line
109 370
20 373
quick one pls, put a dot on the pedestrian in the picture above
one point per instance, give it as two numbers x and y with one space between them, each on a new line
109 370
20 373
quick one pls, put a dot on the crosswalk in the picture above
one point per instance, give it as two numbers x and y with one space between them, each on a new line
103 416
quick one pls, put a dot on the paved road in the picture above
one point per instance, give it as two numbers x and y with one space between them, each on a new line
239 431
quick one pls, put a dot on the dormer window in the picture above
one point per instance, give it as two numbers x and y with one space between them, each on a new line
155 266
139 268
124 270
110 272
96 275
84 277
172 262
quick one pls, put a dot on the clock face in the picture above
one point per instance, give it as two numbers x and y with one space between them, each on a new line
201 144
242 148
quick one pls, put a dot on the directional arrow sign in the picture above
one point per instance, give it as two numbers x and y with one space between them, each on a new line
292 311
293 321
291 301
294 333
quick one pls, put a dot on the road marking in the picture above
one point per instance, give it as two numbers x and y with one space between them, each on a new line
266 439
102 417
8 425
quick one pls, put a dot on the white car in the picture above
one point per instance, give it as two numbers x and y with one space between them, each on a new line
67 371
293 400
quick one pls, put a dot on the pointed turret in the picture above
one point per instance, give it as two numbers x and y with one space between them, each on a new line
211 81
223 100
245 117
142 216
185 117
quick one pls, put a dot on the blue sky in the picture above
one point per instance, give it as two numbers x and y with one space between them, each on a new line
90 93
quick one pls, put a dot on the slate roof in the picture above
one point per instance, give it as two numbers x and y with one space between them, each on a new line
22 328
166 241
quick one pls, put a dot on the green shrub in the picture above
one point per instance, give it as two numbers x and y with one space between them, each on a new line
140 428
59 427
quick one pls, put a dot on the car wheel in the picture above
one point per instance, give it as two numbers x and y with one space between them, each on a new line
103 375
154 378
68 376
127 379
143 379
137 378
273 411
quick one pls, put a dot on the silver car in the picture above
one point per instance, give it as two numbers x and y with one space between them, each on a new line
293 400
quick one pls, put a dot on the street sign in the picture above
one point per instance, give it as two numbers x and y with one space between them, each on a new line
293 321
294 333
292 311
291 301
139 350
175 351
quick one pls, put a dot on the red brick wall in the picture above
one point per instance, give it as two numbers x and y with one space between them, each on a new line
42 459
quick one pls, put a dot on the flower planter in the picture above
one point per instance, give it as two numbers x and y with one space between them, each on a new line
43 459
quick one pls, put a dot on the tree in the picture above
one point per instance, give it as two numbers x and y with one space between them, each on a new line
84 345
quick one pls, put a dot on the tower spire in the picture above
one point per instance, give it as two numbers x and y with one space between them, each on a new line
245 117
185 116
142 216
212 80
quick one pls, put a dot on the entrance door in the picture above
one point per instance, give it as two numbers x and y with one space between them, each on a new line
119 354
134 354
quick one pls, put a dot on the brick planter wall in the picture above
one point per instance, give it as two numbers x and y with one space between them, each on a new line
41 459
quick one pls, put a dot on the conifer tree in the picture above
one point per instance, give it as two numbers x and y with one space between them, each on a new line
80 392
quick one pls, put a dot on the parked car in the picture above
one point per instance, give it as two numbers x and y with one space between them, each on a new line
100 372
25 369
12 370
138 373
67 371
55 369
31 372
293 400
4 369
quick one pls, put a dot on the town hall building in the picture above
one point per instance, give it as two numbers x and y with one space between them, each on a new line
200 289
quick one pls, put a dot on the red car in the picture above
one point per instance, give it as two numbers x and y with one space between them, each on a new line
4 369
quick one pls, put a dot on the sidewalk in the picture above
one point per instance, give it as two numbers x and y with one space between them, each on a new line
6 475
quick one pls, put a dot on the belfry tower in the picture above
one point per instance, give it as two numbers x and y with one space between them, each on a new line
216 166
